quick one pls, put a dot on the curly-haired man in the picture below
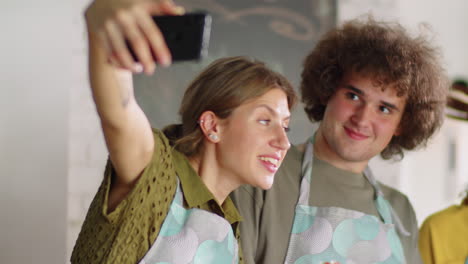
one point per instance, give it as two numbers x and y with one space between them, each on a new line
375 90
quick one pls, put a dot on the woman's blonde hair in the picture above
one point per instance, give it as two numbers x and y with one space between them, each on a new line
223 86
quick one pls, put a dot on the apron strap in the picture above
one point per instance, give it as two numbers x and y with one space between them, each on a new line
306 173
383 206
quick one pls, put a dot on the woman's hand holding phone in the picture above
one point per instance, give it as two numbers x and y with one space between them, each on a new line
118 22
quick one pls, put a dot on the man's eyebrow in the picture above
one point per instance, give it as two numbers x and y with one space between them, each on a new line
389 105
354 89
360 92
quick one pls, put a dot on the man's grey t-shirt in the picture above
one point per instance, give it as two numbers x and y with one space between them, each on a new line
268 215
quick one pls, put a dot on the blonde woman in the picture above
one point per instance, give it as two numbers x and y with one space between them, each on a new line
164 197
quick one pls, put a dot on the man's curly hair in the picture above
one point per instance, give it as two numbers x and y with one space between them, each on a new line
392 58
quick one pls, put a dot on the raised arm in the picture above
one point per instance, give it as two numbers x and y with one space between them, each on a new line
126 129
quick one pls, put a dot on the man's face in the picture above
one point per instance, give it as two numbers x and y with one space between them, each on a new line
359 121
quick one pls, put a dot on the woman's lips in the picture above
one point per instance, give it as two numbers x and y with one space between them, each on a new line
270 163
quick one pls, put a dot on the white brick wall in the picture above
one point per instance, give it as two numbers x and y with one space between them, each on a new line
87 151
34 93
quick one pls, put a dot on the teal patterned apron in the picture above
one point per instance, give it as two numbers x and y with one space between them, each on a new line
333 235
192 236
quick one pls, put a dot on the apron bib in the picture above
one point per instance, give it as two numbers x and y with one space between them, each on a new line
332 235
192 236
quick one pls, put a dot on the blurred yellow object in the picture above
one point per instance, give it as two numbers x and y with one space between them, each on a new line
443 238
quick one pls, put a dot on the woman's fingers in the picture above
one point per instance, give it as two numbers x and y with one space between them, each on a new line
165 7
121 24
137 39
118 46
153 35
155 40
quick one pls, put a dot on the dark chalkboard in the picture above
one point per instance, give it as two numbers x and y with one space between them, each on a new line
278 32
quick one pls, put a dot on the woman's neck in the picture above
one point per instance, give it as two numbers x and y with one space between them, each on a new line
216 180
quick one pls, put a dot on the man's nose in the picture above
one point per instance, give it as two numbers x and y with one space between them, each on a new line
362 115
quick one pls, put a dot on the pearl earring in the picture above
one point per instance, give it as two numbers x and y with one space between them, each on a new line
213 136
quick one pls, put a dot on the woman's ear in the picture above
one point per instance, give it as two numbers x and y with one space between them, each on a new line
209 124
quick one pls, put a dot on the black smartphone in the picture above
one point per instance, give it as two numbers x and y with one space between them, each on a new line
187 36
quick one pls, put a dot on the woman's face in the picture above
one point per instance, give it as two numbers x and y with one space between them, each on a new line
253 141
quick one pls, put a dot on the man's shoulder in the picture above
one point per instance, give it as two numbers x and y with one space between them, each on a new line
400 203
396 198
391 193
292 161
288 178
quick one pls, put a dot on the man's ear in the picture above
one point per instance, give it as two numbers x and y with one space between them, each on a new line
398 131
209 124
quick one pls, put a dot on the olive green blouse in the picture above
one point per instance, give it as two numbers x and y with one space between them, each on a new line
127 233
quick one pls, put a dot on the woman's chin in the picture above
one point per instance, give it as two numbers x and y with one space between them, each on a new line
267 182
